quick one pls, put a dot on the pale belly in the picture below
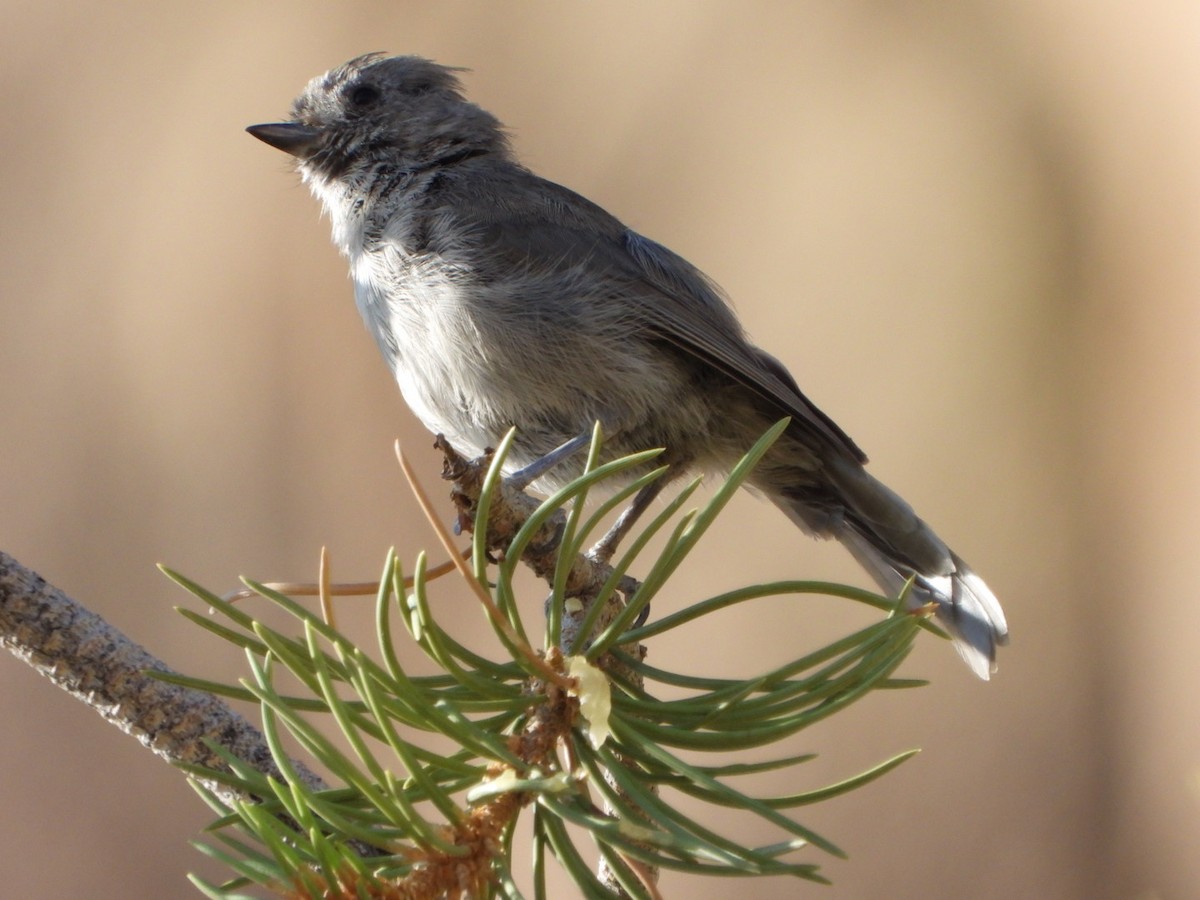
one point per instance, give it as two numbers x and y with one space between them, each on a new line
473 370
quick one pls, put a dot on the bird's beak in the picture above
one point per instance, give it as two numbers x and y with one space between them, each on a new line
290 137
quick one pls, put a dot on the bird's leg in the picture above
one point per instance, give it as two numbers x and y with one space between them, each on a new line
604 548
522 478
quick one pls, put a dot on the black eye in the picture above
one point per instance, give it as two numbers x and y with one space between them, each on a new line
363 95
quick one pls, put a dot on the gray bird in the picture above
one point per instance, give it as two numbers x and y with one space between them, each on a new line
499 299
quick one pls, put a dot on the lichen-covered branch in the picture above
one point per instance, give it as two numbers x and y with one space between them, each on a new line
99 665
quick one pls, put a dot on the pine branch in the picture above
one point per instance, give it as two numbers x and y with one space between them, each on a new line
570 728
582 579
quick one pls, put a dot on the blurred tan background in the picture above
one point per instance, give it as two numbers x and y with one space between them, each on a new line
970 230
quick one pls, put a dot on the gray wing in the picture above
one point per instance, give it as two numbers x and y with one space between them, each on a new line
673 300
688 311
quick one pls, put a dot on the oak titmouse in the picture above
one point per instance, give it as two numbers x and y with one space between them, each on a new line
502 299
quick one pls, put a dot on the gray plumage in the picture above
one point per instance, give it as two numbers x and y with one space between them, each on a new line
499 298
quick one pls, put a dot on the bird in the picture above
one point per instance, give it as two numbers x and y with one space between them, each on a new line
501 299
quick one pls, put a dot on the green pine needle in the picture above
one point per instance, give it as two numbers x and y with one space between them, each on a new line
402 808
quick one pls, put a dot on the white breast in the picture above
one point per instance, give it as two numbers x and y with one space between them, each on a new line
414 309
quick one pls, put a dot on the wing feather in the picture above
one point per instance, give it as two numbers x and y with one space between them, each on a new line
672 299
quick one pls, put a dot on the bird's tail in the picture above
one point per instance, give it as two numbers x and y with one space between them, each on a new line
894 545
964 605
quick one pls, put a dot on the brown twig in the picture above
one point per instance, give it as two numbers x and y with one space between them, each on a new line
344 589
